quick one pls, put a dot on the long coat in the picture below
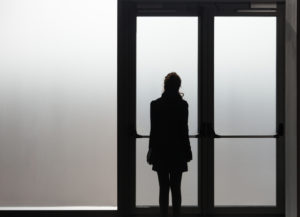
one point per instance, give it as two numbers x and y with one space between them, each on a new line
169 139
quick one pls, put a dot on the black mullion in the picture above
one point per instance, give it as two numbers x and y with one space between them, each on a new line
133 108
210 103
132 102
280 156
124 151
204 191
200 105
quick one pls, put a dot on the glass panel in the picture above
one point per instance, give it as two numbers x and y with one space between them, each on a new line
145 176
245 172
245 75
166 44
58 90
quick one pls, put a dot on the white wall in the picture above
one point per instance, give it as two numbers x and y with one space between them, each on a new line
58 62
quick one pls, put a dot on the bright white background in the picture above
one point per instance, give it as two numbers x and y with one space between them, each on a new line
58 74
245 75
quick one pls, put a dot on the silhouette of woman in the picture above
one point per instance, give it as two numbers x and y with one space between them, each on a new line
169 145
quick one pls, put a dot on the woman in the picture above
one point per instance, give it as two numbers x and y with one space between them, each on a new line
169 145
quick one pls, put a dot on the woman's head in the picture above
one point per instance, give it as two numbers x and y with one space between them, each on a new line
172 82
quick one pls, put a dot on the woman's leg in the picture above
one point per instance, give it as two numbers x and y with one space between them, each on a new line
164 185
175 183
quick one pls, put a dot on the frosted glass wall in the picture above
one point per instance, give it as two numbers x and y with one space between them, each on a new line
245 75
58 103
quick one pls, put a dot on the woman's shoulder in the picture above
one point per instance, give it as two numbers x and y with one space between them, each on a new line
185 103
156 101
160 100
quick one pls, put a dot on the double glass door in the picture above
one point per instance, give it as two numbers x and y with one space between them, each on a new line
231 72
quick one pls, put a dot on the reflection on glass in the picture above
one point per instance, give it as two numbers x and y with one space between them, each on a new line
147 188
166 44
245 75
245 172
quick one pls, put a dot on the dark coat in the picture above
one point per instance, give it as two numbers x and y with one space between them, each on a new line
169 139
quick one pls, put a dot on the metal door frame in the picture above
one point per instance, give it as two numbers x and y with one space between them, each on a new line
128 11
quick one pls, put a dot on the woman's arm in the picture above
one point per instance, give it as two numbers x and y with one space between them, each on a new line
185 122
152 126
186 132
152 136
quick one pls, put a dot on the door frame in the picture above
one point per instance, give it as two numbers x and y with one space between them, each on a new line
128 11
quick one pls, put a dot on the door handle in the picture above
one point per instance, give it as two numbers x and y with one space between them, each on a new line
212 134
208 132
138 136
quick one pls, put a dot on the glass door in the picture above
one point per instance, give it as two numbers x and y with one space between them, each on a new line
164 45
231 64
247 114
245 111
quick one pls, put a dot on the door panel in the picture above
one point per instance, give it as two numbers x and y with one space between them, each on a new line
164 45
245 75
245 172
147 188
245 106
